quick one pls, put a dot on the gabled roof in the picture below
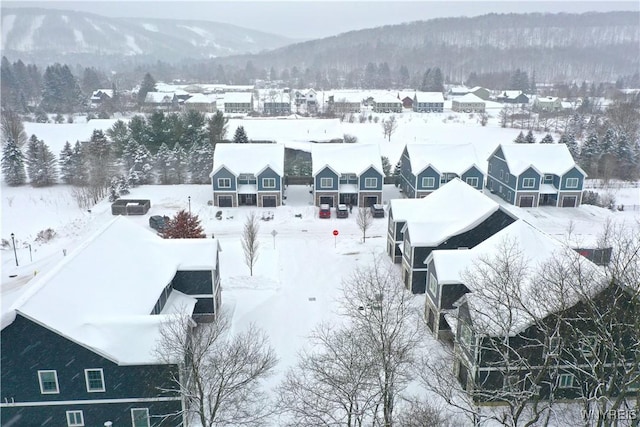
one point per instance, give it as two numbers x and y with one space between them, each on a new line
407 209
545 158
238 97
200 98
532 246
101 295
248 158
511 94
346 158
445 158
108 92
470 97
386 98
159 97
450 210
429 97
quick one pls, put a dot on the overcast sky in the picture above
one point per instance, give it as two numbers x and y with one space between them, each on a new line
315 19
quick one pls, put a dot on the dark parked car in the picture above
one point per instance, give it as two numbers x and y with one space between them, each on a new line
342 211
325 211
158 222
377 211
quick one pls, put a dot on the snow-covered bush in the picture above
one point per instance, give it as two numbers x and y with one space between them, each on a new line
46 235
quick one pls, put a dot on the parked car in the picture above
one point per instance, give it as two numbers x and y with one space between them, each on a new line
158 222
377 211
342 211
325 211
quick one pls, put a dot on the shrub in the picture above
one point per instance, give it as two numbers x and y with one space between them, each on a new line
45 236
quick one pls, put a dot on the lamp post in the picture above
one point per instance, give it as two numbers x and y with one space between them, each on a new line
189 198
15 254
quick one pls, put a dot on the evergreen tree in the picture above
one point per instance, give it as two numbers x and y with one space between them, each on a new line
608 142
183 225
386 166
404 76
158 131
179 164
569 140
100 158
41 163
397 174
123 185
217 128
141 170
139 130
120 136
113 189
66 162
163 164
148 85
533 87
61 92
200 162
13 164
589 150
194 131
530 139
9 86
240 136
79 165
520 138
91 81
548 139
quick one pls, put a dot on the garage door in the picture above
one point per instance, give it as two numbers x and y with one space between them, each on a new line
269 201
569 202
225 201
326 200
526 201
370 200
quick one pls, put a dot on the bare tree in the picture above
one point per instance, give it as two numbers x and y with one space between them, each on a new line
250 244
220 375
381 313
333 382
12 128
389 126
364 221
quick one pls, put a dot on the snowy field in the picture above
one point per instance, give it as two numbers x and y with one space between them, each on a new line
297 278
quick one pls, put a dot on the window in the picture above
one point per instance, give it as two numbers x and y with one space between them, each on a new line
326 182
572 182
75 418
565 381
433 285
140 417
510 382
370 182
349 176
224 182
489 167
553 346
548 179
94 379
48 382
428 182
506 177
268 182
472 181
501 174
588 345
465 335
509 195
528 182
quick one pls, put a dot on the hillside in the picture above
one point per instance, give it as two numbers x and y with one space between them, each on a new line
45 36
592 46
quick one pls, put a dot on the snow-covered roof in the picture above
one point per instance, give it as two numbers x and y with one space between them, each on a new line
238 97
547 99
249 158
101 295
346 96
159 97
200 98
387 98
429 97
546 158
108 92
475 88
450 210
470 97
533 246
445 158
346 158
458 89
289 130
511 94
407 209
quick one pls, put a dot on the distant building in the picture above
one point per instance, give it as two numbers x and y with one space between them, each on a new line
428 102
468 103
238 102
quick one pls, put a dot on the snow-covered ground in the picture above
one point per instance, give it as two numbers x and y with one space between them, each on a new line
298 275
